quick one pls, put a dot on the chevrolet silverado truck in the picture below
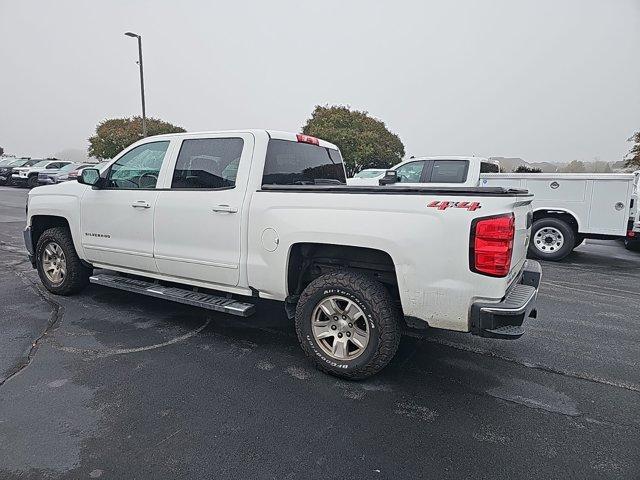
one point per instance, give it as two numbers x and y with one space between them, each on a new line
219 219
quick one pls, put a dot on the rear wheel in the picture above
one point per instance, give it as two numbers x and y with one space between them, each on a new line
59 267
551 239
348 324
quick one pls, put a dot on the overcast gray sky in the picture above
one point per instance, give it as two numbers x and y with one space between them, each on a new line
545 80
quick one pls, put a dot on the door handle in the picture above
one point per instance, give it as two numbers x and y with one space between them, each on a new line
224 209
140 204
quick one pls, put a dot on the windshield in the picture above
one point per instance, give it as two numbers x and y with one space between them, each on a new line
18 163
31 163
371 173
68 168
39 164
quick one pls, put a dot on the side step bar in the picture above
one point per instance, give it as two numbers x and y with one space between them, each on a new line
174 294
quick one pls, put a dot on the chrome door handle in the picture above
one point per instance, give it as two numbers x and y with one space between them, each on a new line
140 204
224 209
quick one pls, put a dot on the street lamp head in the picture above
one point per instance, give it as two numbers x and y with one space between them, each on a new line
131 34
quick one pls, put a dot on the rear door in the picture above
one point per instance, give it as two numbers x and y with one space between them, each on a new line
198 227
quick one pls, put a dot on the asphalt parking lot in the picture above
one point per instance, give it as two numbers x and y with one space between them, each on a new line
109 385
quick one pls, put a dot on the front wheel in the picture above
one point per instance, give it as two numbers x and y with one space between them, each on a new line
348 324
59 267
551 239
32 181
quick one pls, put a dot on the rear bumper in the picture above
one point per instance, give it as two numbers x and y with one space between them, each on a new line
505 318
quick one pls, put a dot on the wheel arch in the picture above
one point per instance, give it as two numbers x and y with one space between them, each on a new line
561 214
308 260
40 223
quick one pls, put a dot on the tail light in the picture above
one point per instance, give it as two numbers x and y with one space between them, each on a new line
491 245
307 139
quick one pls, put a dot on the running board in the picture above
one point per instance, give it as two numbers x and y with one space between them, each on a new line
174 294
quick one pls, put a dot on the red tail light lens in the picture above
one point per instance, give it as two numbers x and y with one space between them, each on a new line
491 245
307 139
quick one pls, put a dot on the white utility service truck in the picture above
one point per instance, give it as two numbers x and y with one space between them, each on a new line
567 207
231 216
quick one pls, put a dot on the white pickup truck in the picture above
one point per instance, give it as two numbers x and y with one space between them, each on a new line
568 207
239 214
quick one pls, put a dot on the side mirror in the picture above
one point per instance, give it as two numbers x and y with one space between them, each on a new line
89 176
390 177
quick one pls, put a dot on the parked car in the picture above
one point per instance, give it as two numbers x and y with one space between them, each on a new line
7 170
51 175
268 214
75 173
27 175
367 176
48 177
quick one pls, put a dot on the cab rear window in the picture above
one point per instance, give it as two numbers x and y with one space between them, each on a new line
296 163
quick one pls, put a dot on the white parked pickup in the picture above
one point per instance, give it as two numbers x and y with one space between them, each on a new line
230 216
567 207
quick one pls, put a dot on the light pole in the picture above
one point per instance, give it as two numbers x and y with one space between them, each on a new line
144 115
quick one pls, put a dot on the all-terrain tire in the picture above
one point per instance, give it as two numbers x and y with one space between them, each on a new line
380 312
77 274
553 252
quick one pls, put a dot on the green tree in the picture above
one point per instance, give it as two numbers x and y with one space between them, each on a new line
633 157
115 134
575 166
365 142
525 169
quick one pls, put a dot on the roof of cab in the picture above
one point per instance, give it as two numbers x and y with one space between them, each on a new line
276 134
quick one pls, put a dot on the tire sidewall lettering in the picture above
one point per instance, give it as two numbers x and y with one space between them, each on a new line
310 305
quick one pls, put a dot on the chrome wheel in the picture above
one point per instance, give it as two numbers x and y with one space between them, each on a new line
54 263
340 328
548 240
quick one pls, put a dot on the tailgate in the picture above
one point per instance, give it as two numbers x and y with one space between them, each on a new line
523 212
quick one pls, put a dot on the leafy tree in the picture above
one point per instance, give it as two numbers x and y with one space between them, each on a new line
526 169
575 166
365 142
115 134
1 151
633 157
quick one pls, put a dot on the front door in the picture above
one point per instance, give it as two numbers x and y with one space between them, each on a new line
198 215
117 219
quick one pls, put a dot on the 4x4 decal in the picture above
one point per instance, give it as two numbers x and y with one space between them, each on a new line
443 205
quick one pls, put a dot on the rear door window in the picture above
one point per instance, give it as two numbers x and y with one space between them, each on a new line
449 171
487 167
297 163
208 163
